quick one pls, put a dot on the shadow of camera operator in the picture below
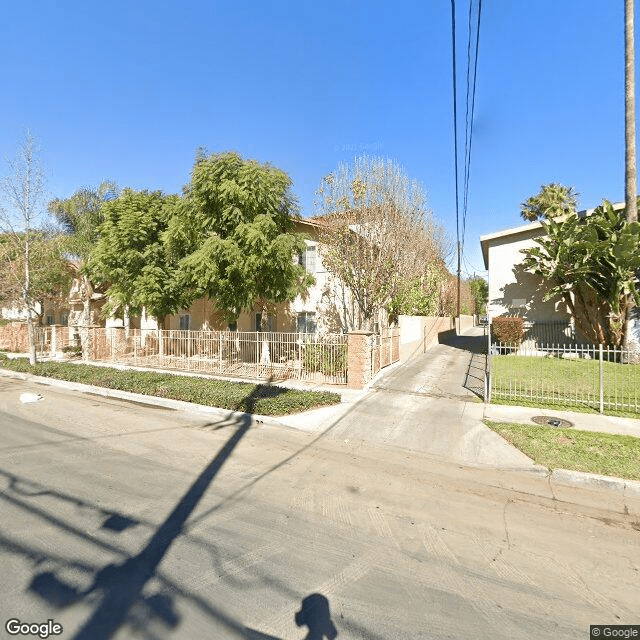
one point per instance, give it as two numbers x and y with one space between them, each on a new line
314 614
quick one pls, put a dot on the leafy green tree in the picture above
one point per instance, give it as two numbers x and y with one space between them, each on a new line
592 263
554 200
418 296
480 294
233 235
130 255
80 217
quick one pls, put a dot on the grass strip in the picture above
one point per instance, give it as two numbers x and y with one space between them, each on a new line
560 405
566 384
592 452
262 399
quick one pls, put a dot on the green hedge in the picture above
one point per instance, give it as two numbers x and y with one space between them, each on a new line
236 396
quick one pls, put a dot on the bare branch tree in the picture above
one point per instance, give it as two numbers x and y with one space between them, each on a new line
20 217
377 232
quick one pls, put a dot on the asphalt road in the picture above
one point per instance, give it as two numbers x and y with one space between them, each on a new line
124 521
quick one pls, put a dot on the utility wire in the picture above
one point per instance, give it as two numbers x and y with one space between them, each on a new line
472 269
455 113
466 115
469 121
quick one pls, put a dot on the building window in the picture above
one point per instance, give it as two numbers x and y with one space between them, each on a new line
51 320
64 319
307 259
185 322
270 322
233 326
306 322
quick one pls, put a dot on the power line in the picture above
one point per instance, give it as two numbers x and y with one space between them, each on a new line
469 121
472 268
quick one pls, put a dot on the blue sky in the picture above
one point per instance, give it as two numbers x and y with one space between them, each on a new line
128 91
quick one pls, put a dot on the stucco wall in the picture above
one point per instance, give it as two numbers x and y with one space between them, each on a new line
311 301
513 291
418 333
19 313
464 322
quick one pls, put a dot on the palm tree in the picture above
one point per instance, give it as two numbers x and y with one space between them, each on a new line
554 200
630 194
630 114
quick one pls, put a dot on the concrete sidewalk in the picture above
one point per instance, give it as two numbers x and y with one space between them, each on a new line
579 420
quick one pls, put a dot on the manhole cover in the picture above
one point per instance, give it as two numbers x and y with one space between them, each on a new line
551 421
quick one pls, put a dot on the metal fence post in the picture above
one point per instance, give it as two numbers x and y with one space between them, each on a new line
487 369
601 380
54 341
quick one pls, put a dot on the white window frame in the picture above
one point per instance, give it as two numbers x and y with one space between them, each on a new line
308 258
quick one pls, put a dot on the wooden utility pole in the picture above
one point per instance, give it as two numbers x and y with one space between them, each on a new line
458 328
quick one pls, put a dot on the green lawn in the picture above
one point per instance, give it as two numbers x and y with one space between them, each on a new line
236 396
566 384
602 453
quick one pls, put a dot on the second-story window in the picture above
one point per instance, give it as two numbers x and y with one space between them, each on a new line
308 259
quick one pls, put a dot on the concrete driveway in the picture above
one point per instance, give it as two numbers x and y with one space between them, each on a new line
432 404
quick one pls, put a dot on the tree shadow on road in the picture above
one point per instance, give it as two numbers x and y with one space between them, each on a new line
471 343
133 591
118 588
122 585
315 615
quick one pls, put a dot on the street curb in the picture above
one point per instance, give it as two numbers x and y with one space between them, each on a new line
558 478
141 398
628 488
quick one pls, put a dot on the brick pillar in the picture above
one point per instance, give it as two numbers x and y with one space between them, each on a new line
358 359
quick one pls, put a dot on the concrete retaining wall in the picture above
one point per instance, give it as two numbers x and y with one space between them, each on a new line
418 333
464 322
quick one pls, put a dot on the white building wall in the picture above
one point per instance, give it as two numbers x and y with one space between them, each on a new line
512 290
